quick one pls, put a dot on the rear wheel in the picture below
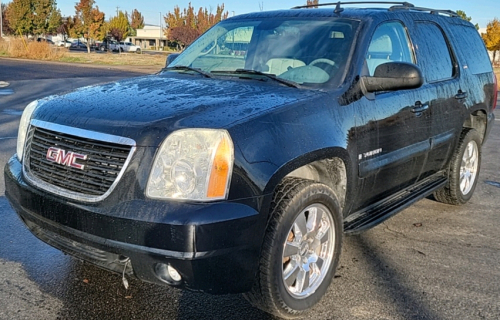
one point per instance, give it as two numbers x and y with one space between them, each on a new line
301 249
463 171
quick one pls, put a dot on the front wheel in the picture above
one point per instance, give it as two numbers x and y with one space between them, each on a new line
463 171
301 249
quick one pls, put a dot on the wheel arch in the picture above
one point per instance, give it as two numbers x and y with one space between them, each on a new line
477 120
329 166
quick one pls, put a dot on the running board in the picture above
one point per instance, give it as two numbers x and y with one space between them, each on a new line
386 208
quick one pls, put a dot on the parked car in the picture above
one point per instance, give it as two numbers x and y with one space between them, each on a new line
78 45
229 173
45 40
63 43
110 45
129 47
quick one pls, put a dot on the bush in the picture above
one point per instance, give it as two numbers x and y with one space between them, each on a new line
21 48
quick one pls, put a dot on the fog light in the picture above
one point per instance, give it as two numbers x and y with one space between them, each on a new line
168 274
174 274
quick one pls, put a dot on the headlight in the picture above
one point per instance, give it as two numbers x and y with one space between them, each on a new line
23 128
192 164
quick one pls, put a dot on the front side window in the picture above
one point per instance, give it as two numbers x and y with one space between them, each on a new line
309 52
389 43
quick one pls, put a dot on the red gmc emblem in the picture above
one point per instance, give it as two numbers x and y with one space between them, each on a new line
66 158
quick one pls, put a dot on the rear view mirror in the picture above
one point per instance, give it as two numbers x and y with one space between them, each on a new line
394 76
171 57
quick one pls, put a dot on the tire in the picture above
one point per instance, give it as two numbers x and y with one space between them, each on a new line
286 284
463 171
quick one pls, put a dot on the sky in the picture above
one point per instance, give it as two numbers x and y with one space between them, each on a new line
481 11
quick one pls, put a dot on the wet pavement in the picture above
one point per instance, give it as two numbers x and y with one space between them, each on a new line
431 261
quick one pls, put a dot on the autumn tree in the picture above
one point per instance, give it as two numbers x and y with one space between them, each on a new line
312 3
185 26
5 20
88 22
492 37
119 26
136 21
464 16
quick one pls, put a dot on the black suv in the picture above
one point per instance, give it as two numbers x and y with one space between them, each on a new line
241 165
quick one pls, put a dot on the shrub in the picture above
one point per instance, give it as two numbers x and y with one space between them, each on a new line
21 48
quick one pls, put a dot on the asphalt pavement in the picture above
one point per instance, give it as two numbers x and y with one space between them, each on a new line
431 261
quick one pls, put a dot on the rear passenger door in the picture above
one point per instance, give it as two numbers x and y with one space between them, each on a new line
441 74
394 127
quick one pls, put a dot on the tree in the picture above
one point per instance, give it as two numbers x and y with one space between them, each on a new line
5 20
35 17
136 21
492 37
185 26
20 16
88 22
313 3
464 16
118 26
46 17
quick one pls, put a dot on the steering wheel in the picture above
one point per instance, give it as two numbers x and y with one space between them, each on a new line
322 60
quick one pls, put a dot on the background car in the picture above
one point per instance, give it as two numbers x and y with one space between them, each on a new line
78 45
129 47
63 43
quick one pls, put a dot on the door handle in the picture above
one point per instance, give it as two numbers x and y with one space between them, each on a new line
461 95
419 107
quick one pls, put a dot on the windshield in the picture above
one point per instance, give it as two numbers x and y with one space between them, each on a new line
310 52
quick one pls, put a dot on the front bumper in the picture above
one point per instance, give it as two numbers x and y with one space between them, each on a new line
214 247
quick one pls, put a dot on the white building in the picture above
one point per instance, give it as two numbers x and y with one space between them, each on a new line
149 37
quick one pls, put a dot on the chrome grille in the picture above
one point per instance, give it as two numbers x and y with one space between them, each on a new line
106 160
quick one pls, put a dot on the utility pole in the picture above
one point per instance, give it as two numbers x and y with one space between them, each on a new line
117 11
161 31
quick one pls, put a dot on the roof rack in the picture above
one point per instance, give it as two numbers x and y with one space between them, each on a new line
396 6
431 11
338 9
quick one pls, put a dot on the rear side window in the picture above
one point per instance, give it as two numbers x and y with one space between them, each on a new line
433 54
472 48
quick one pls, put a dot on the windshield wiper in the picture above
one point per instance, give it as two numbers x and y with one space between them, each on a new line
206 74
260 73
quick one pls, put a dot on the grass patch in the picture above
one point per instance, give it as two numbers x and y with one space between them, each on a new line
117 59
21 48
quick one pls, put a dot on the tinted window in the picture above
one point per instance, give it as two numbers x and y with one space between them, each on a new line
389 43
433 55
471 45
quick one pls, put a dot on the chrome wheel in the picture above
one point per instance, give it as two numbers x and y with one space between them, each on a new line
469 166
308 251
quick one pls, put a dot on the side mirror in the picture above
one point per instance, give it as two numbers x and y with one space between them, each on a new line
171 57
393 76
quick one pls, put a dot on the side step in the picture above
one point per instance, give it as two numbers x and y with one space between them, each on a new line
386 208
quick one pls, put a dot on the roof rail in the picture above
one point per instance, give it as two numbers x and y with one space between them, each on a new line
396 6
431 11
338 9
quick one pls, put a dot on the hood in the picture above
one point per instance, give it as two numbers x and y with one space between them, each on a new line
147 109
